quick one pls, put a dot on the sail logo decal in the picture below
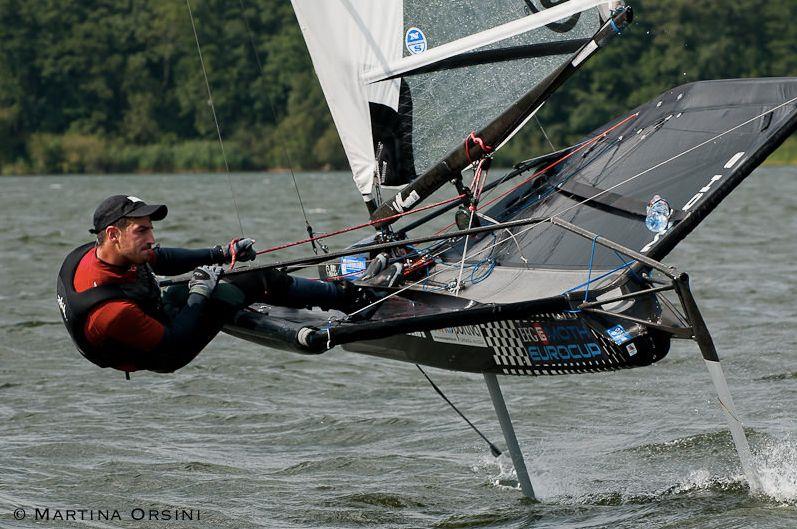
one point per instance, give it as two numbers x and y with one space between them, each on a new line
415 41
62 306
703 191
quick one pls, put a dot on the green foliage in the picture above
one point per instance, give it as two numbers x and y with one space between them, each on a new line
785 155
118 86
671 43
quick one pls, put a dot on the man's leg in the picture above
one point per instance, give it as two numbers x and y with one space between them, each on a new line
279 288
226 300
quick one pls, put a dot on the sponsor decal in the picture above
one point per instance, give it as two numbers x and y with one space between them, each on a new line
534 333
465 335
353 266
62 306
631 348
417 334
399 204
415 41
567 333
618 334
332 270
560 353
559 342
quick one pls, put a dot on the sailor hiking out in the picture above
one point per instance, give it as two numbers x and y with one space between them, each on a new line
117 316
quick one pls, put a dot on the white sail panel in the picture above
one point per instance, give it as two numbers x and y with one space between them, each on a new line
347 38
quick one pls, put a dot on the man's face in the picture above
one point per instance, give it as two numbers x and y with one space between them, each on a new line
135 241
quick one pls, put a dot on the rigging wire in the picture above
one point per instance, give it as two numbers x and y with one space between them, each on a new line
539 124
283 144
215 118
360 226
476 188
580 146
493 449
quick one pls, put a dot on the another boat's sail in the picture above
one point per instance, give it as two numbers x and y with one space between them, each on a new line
408 80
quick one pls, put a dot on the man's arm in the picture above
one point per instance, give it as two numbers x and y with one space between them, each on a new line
176 261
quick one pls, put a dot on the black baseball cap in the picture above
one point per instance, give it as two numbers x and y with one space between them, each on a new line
116 207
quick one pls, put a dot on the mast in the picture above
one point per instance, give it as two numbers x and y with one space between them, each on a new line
502 128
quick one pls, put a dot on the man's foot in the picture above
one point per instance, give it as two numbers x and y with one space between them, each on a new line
360 303
390 277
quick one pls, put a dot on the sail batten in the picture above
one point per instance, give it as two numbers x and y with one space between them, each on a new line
479 40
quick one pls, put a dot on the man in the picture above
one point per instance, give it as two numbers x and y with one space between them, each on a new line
112 306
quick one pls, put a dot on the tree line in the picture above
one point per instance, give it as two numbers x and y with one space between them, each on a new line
117 85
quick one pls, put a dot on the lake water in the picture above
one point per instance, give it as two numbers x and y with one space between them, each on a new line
248 437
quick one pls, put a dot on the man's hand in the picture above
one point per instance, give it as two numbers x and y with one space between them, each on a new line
204 280
242 249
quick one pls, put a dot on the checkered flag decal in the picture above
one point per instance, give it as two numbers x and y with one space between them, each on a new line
510 353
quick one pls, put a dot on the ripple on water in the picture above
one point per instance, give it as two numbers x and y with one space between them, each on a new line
381 499
29 324
344 440
792 375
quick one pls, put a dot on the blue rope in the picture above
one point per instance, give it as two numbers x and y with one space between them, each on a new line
598 278
485 274
589 270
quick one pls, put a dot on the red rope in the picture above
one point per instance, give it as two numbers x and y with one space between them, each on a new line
549 167
478 141
233 252
359 226
485 148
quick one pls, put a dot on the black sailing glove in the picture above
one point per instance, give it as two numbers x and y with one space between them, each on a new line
239 250
204 280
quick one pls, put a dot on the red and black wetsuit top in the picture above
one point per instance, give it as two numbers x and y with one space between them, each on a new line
115 317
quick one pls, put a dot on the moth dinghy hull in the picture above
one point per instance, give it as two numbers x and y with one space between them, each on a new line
555 268
560 297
